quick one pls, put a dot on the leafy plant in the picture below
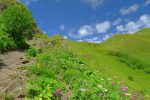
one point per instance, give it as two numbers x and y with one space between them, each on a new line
17 19
43 88
32 52
6 42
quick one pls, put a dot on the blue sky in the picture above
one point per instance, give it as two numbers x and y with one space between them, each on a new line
90 20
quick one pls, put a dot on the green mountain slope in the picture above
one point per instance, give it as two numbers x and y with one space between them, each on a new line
137 44
123 57
134 50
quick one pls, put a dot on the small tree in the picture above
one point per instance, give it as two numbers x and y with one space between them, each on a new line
17 19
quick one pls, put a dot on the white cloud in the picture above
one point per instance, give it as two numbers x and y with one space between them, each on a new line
107 36
131 9
98 39
72 33
133 26
85 30
28 2
116 22
120 28
147 2
94 3
62 27
93 40
80 40
145 20
103 27
65 37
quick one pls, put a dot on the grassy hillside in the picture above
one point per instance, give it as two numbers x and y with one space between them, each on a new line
104 57
123 57
137 44
65 69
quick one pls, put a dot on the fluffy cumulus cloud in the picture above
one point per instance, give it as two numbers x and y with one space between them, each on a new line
28 2
131 9
99 32
85 30
94 3
133 26
103 27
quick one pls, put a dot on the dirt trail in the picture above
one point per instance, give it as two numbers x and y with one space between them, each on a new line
11 77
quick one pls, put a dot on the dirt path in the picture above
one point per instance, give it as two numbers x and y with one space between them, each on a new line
11 77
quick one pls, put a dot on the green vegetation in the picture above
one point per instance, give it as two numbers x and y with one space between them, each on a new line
16 24
58 72
32 52
133 62
112 70
6 3
6 42
121 64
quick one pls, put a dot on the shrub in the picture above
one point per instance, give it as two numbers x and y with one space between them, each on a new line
32 52
17 20
6 42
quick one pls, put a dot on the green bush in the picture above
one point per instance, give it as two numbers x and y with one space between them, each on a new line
6 42
17 20
32 52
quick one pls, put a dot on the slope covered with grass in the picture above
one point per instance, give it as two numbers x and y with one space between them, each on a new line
124 57
117 69
137 44
118 58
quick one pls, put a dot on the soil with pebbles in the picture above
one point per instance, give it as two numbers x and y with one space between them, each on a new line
12 78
